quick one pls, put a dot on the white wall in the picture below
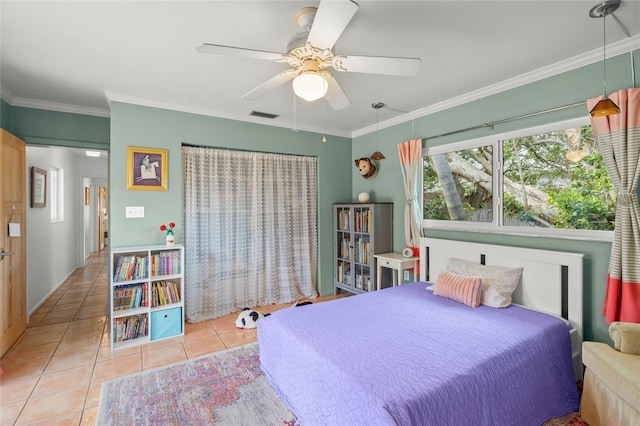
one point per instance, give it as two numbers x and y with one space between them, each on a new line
52 248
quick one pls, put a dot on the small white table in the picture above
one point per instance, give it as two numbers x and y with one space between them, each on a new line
393 261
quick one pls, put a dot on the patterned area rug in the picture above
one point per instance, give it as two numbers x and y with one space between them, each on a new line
225 388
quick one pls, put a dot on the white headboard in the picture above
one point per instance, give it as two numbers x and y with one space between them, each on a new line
551 280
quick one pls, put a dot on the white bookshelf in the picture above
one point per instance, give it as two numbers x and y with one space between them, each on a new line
146 294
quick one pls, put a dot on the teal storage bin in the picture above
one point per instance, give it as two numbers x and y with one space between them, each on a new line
166 323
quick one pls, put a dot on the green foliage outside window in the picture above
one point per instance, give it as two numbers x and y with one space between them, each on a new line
554 180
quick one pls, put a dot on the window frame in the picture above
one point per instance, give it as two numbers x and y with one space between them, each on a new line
57 194
496 226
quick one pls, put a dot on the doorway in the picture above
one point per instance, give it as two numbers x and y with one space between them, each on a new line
103 218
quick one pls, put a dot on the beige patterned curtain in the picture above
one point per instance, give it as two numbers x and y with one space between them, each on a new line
250 230
410 153
618 139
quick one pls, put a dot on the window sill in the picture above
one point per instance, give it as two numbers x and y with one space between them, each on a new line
565 234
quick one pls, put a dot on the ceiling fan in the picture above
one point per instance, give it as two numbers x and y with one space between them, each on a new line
310 53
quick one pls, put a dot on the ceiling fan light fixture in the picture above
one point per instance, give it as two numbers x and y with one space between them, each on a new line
310 86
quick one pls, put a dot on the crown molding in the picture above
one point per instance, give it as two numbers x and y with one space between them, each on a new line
6 94
117 97
624 46
54 106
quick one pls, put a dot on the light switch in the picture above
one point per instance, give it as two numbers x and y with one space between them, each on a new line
134 212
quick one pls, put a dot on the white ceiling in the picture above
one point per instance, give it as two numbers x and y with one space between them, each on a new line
78 55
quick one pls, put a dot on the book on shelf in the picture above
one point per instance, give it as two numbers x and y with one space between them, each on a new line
362 219
129 268
131 327
165 293
366 282
130 296
343 220
165 263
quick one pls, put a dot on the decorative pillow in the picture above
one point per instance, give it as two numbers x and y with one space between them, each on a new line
498 282
461 288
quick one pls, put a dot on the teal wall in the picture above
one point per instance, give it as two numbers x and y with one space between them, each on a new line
564 89
5 115
133 125
339 180
42 127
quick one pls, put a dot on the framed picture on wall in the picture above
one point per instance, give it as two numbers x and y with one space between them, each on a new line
147 169
38 187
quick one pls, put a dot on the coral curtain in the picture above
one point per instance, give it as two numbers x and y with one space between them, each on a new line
250 230
410 153
618 139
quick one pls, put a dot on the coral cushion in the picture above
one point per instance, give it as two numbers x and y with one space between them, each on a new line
498 282
461 288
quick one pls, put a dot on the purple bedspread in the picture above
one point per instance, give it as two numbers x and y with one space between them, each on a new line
404 356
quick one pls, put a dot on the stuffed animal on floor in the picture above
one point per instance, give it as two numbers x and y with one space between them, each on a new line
248 318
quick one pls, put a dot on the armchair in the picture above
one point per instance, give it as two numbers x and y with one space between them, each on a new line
611 390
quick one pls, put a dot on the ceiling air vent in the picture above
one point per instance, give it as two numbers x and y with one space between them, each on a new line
263 114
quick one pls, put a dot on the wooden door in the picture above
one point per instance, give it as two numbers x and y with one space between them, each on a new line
13 199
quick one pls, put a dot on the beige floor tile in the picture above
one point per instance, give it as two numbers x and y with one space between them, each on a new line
161 343
201 346
70 360
118 367
9 412
238 338
89 416
224 324
89 324
203 331
17 390
41 339
37 317
68 420
163 355
93 397
22 370
53 405
60 380
59 316
47 328
105 353
85 335
75 300
73 346
22 354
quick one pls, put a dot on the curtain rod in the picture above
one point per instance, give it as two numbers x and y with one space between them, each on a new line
505 120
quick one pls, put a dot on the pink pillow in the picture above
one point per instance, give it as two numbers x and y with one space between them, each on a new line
461 288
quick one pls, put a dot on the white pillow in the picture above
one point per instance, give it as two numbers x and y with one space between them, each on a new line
498 282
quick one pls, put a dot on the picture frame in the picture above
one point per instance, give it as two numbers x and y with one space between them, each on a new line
147 169
38 187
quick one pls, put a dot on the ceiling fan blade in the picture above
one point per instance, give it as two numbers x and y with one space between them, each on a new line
335 95
217 49
270 84
331 19
377 65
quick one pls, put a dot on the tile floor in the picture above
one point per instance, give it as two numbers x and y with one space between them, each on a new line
54 374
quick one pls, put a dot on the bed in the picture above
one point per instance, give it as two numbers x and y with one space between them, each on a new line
404 356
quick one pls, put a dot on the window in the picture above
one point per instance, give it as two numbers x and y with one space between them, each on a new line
549 180
57 194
